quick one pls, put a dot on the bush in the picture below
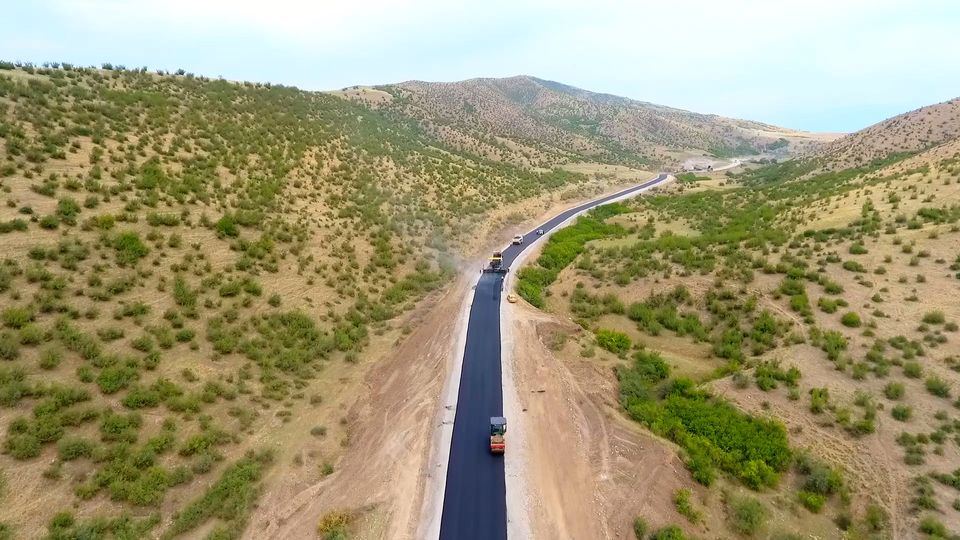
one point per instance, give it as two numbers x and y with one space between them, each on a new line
613 341
115 378
811 501
670 532
714 433
747 515
72 448
129 247
901 412
934 317
16 317
50 358
334 525
893 390
640 528
22 446
231 498
933 527
850 320
681 500
937 386
912 370
9 346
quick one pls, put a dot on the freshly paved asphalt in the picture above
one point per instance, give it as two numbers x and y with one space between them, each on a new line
474 503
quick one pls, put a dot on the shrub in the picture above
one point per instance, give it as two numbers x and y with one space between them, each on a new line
72 448
827 305
850 320
811 501
912 370
853 266
876 518
934 317
115 378
129 247
681 500
819 400
334 525
901 412
230 498
893 390
747 515
937 386
613 341
931 526
16 317
9 346
120 427
22 446
670 532
227 226
640 528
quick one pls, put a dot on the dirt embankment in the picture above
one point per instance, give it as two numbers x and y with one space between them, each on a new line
594 471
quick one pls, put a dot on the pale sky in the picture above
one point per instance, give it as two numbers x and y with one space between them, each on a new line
822 65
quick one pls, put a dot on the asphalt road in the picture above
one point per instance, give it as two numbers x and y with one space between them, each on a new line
474 503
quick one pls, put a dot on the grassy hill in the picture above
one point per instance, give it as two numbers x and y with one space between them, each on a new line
789 303
909 132
533 121
188 265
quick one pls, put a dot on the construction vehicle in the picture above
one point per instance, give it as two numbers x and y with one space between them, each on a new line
498 431
496 264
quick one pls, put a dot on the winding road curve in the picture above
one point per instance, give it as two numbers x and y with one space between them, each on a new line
474 502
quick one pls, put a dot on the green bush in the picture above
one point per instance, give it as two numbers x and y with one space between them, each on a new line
893 390
72 448
851 320
231 498
22 446
747 515
129 247
670 532
901 412
613 341
684 505
9 346
931 526
714 433
640 528
937 386
811 501
115 378
934 317
16 317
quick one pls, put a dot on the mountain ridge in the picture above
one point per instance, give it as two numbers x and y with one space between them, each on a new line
552 123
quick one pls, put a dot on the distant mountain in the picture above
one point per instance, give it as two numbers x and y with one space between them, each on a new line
543 123
913 131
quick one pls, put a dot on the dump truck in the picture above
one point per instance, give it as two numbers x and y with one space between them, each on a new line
498 431
496 264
